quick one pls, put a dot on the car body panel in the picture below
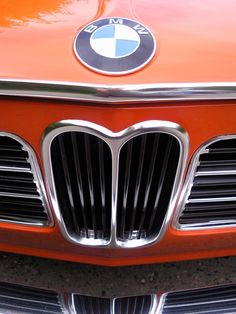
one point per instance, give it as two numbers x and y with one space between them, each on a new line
195 40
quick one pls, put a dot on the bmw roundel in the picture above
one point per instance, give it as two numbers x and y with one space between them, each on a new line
115 46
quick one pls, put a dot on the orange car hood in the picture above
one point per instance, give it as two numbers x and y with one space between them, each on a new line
196 40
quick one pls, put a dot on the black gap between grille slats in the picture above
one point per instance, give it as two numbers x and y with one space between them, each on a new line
213 192
220 167
21 202
15 187
147 170
18 182
223 144
218 158
11 211
221 157
212 214
82 173
222 180
22 177
210 206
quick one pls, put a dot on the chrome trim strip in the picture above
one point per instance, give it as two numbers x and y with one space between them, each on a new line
115 141
215 173
38 180
130 93
187 190
209 199
14 169
20 195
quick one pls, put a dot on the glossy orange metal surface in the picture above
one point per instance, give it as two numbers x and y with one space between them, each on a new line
202 121
195 39
195 43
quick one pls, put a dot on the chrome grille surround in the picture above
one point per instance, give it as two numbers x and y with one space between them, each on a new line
186 191
115 141
36 173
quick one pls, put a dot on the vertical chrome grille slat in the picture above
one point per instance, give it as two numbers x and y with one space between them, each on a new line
135 305
127 306
126 186
149 182
102 182
79 180
160 183
128 180
90 182
68 183
138 182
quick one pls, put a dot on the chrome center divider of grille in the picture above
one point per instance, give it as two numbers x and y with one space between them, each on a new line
115 141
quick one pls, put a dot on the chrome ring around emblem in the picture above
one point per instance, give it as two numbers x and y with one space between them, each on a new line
114 46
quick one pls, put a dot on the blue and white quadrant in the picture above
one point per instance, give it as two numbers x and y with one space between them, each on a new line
115 41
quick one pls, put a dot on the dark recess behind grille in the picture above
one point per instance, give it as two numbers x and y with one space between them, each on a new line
148 165
82 173
87 304
19 196
220 300
208 187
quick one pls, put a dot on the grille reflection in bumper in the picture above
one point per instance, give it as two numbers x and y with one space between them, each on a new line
220 300
132 305
114 189
21 300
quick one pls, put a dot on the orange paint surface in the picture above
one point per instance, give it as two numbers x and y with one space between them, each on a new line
195 39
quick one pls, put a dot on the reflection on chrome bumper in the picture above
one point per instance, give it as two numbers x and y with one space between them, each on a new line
20 299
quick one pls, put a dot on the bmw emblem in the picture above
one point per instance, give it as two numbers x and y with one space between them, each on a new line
115 46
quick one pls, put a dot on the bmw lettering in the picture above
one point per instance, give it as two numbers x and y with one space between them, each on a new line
115 46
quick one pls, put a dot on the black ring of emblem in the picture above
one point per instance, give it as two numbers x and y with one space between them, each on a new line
114 66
